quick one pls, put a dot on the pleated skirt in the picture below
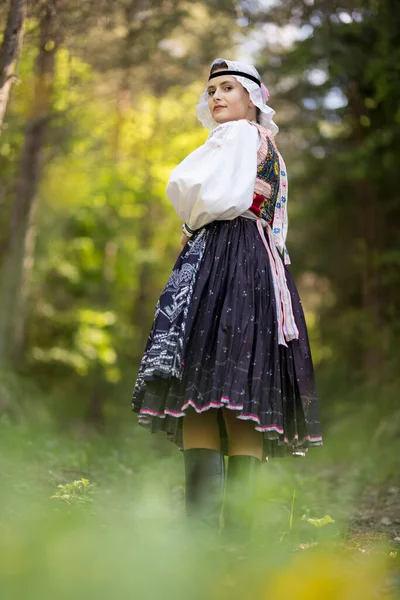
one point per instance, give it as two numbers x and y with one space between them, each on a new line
214 344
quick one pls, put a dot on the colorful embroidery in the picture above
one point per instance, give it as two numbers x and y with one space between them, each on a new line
267 173
270 190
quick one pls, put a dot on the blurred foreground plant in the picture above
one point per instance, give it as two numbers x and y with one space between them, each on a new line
318 522
312 574
76 493
330 576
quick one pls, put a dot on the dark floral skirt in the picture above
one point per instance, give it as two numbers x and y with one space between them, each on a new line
214 344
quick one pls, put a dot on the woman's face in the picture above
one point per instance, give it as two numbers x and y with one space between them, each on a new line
228 100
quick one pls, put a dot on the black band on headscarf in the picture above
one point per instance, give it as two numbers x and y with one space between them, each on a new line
240 73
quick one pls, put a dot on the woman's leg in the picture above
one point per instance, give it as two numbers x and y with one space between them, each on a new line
200 430
204 467
243 439
245 446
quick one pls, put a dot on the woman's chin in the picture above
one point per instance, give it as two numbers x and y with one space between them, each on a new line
221 118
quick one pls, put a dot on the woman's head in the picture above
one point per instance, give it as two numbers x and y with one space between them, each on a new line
234 91
228 100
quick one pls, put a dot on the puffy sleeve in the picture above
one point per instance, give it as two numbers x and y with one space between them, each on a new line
216 181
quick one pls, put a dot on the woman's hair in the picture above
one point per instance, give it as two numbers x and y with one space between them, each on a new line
223 65
218 66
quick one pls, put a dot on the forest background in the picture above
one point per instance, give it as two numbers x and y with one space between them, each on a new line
97 105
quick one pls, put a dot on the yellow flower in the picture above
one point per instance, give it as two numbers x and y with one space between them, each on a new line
328 577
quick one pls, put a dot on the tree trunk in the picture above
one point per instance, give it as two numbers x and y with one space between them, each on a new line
9 51
368 217
18 258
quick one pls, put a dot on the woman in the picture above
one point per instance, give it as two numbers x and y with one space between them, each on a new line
227 368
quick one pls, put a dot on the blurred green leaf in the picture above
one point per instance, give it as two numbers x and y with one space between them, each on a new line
318 522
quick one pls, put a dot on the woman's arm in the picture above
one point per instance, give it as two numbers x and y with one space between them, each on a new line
216 181
184 240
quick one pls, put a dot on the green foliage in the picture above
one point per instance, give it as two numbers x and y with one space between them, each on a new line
77 493
318 522
105 236
133 519
337 88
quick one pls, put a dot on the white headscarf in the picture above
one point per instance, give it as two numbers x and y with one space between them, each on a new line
258 95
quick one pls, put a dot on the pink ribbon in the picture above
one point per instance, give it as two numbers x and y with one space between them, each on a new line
287 328
265 92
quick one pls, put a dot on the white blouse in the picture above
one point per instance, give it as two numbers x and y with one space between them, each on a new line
216 181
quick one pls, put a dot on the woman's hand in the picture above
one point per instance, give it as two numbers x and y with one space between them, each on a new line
184 240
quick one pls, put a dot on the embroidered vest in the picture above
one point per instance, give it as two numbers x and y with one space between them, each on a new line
271 204
264 199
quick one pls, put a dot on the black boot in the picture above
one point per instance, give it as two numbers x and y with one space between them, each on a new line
240 496
205 478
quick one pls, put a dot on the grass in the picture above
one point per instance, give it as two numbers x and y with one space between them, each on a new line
122 534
